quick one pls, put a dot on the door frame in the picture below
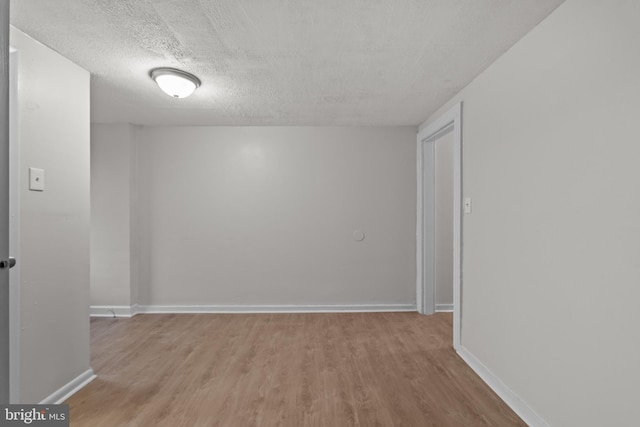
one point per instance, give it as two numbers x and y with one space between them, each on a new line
425 218
14 230
5 327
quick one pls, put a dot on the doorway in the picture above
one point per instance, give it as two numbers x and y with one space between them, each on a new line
443 221
449 124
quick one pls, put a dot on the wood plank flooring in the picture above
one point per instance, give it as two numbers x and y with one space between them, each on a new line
236 370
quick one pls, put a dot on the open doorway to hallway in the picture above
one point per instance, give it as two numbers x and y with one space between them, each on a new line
445 132
444 221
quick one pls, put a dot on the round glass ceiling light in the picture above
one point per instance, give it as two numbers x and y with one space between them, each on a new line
175 83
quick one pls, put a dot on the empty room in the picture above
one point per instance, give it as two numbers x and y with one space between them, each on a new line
319 213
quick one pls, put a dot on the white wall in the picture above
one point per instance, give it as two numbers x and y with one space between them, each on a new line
112 216
53 98
444 219
265 215
550 293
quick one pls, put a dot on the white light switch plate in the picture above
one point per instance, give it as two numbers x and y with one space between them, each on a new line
36 179
467 205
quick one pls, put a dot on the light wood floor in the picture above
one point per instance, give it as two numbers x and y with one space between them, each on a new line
236 370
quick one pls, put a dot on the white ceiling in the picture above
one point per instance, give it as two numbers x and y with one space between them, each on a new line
279 62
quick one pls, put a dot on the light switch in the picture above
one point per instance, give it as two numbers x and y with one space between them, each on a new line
467 205
36 179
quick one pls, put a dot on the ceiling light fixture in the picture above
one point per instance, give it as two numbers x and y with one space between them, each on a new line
175 83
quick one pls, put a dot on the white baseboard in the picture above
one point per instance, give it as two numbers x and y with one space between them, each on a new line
355 308
518 406
444 308
69 389
113 310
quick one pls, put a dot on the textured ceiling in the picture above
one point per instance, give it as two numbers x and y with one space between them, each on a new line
280 62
